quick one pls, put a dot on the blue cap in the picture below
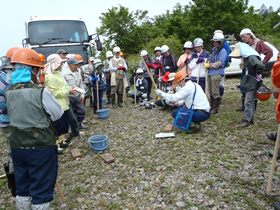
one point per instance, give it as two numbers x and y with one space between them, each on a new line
73 61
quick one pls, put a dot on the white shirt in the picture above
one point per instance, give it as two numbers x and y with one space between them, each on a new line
186 93
197 70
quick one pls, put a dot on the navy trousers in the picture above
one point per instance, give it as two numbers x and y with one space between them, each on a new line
35 173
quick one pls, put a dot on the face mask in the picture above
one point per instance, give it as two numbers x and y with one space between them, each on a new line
22 74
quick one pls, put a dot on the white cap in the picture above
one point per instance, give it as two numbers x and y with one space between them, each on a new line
247 31
91 58
139 71
143 53
218 37
157 49
109 54
164 48
171 76
116 49
188 44
218 32
198 42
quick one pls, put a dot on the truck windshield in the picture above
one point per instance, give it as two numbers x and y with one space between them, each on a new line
57 31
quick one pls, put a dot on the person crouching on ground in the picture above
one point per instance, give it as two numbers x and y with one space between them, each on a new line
251 81
31 109
61 90
188 90
98 83
141 85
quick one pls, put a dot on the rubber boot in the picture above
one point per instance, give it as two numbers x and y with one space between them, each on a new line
113 98
256 103
42 206
211 102
120 100
23 202
216 106
241 109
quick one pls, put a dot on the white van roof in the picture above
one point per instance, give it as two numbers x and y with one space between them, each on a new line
38 18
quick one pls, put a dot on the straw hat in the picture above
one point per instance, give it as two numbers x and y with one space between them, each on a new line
236 52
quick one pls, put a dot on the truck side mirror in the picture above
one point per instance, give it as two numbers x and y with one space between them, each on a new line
25 42
98 44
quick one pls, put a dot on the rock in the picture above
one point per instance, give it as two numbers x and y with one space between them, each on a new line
180 204
80 200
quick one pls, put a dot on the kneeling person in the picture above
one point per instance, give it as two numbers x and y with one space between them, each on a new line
193 96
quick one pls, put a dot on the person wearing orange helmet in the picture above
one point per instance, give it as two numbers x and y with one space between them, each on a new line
193 96
6 70
31 109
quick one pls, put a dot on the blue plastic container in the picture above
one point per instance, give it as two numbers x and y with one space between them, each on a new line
98 143
103 113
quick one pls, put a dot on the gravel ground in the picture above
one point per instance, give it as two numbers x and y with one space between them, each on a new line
221 167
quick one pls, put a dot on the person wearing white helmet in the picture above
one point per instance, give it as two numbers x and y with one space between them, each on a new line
157 54
118 67
216 71
141 85
168 61
107 73
227 48
185 57
98 83
146 60
196 65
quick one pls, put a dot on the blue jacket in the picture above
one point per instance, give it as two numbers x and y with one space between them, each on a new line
217 55
5 83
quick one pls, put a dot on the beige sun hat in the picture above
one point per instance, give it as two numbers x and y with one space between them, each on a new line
236 52
53 62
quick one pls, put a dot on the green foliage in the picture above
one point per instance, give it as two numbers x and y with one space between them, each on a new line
172 41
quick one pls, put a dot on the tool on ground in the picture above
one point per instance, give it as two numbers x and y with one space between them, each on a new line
97 95
151 76
273 164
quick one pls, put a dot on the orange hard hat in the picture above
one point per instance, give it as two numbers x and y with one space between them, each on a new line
11 51
263 93
42 57
179 76
27 56
79 58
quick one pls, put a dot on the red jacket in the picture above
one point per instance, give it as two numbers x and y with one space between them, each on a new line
262 48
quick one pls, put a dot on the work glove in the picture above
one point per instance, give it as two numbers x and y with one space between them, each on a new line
159 92
93 79
200 60
144 95
207 65
149 65
156 66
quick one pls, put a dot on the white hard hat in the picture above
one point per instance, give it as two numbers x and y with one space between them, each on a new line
143 53
139 71
97 60
247 31
218 37
198 42
218 31
109 54
157 49
164 48
116 49
188 44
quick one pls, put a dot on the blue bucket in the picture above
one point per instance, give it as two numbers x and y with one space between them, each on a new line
98 143
103 113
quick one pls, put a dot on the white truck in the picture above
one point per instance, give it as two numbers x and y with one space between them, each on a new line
48 34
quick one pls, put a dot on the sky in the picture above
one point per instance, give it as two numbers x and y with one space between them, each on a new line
14 13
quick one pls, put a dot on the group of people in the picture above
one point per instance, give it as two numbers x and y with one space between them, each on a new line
42 114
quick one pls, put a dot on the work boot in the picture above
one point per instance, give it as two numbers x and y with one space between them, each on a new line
59 150
113 98
42 206
241 109
216 106
272 135
120 100
243 124
276 205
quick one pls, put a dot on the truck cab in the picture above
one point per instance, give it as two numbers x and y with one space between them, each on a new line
48 34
